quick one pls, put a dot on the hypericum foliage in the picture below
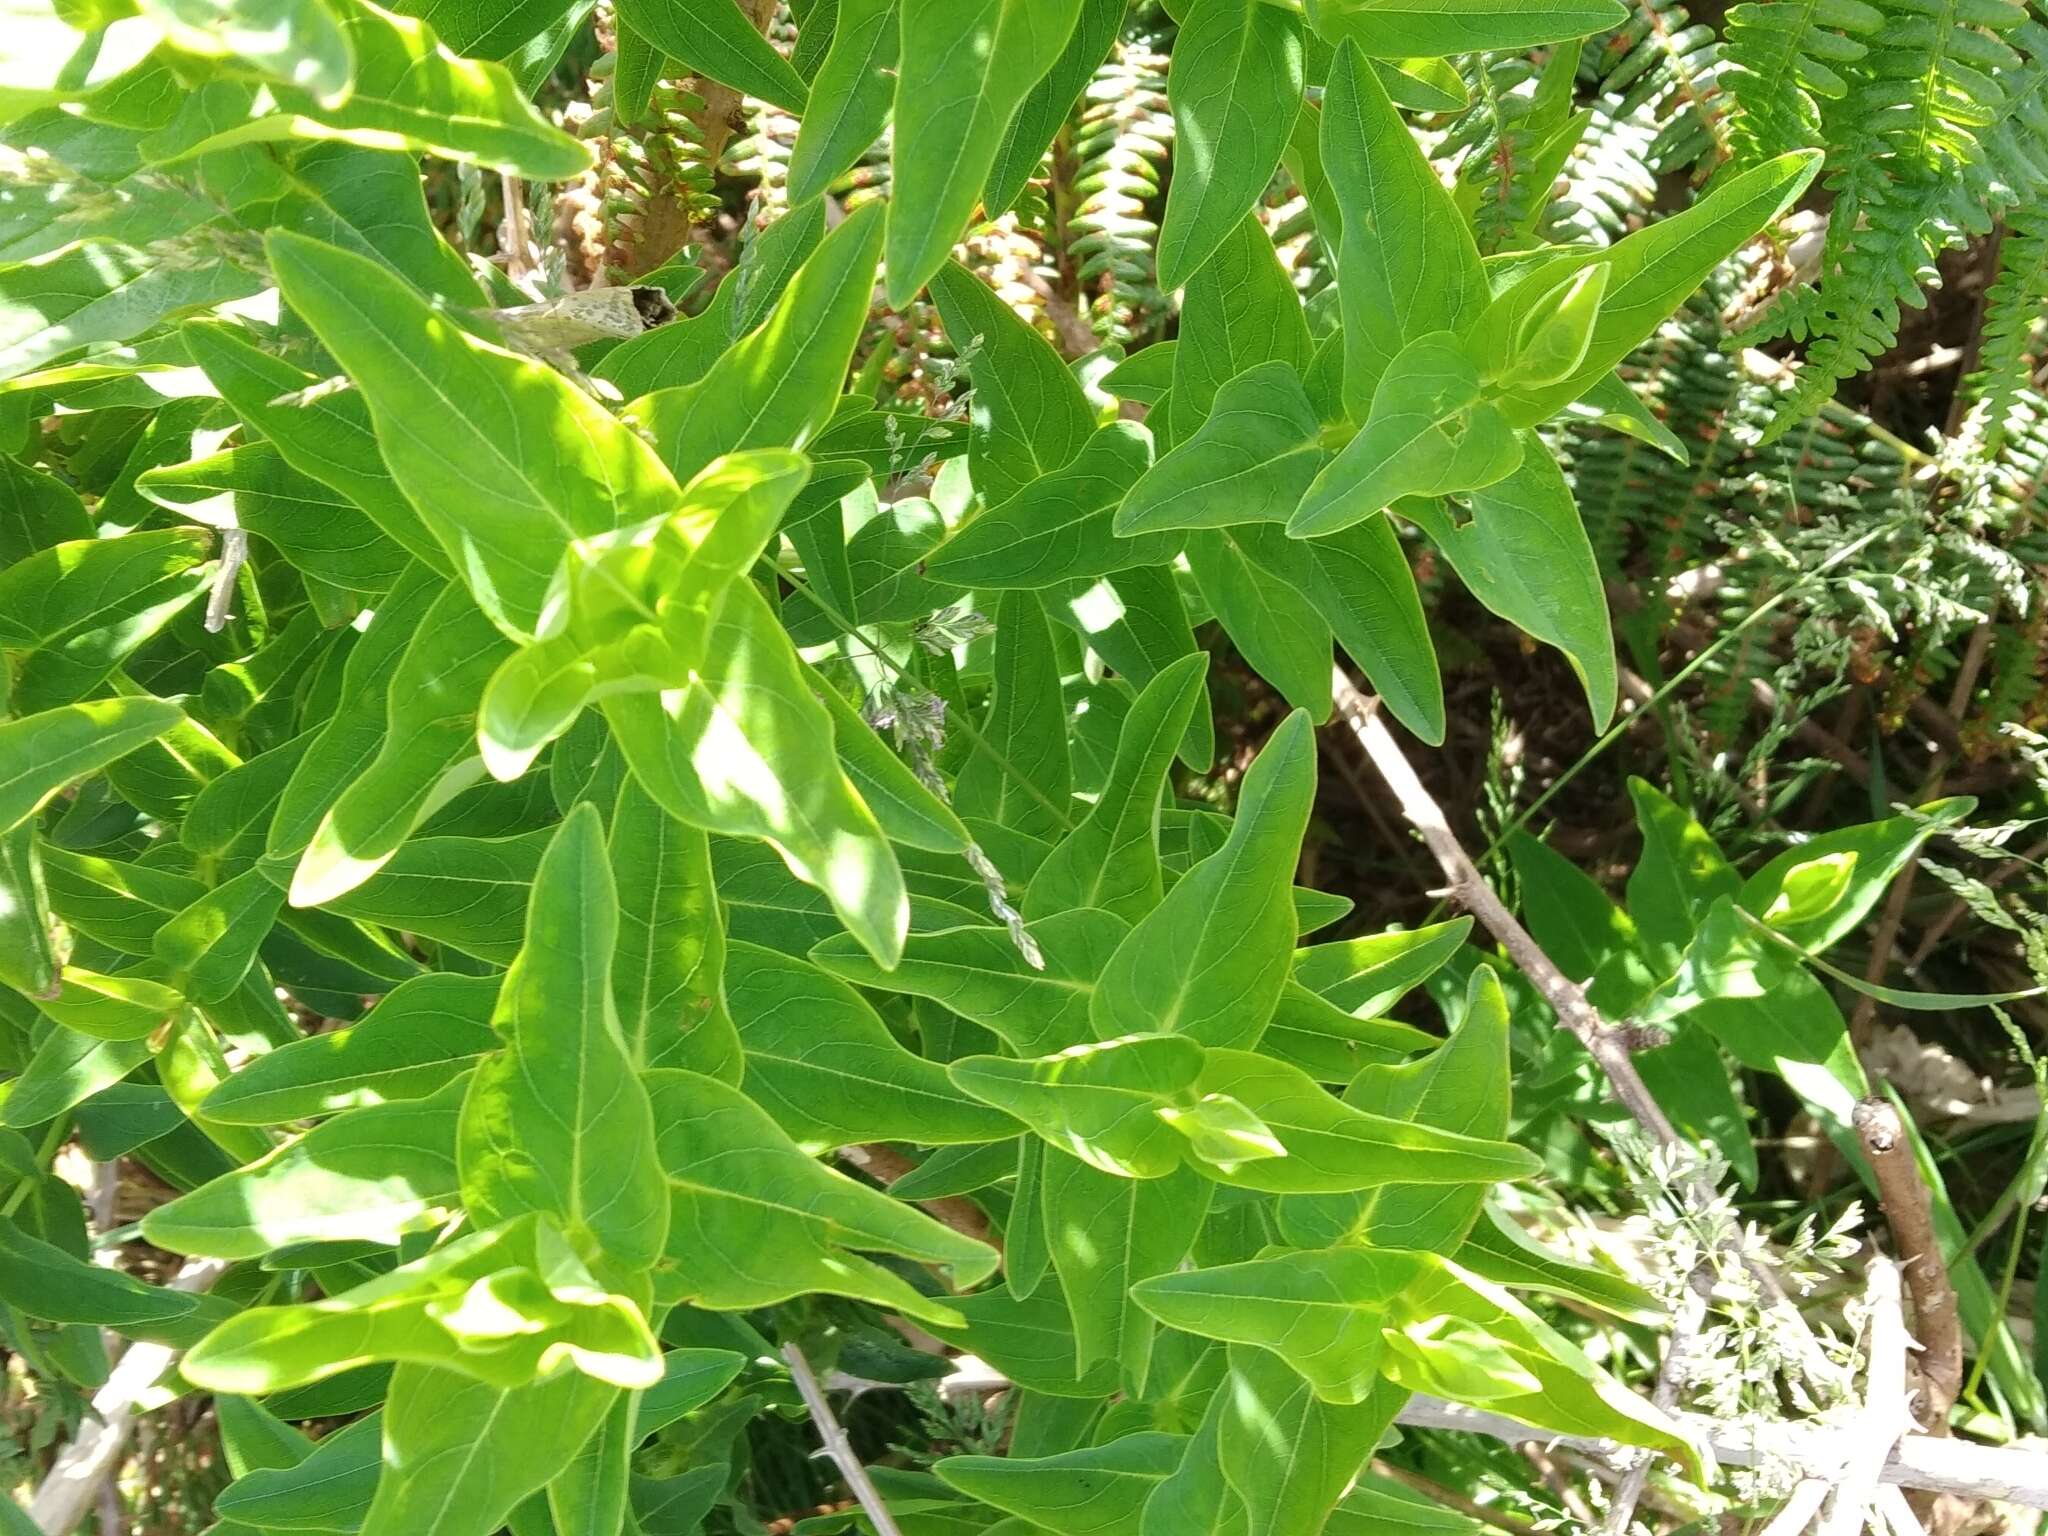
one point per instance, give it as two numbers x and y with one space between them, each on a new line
504 789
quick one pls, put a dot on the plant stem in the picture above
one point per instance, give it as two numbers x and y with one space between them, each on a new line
837 1446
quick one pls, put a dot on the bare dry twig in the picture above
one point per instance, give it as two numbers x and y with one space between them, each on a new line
837 1446
1886 1414
1909 1211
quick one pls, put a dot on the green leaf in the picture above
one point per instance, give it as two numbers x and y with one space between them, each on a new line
329 1489
1463 1086
504 460
1524 554
422 1036
556 1121
1255 579
1111 860
1045 110
1018 774
1137 622
1500 1251
777 386
97 292
508 1306
1099 1103
1399 29
1429 434
43 1281
295 44
209 946
1057 528
1860 863
1287 1454
316 528
1250 461
1240 310
1680 873
459 1454
825 1066
978 973
41 754
80 608
29 962
1651 272
719 39
1106 1233
1361 584
369 1175
668 968
1209 961
1099 1491
1235 85
1407 262
747 751
66 1069
907 808
756 1221
465 892
854 85
410 91
1195 1499
324 434
1028 415
965 67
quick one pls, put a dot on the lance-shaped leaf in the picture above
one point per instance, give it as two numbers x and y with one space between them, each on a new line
1028 415
1407 262
1058 527
1111 860
755 1220
1327 1145
1240 310
427 757
1137 621
1650 273
1209 961
422 1036
1500 1251
209 946
1680 873
460 1454
507 1306
48 1283
1361 583
370 1175
1251 461
410 91
466 892
1287 1454
1256 581
1366 976
1044 112
823 1063
556 1121
1429 434
80 608
1099 1491
505 461
978 973
965 67
1195 1499
776 387
316 528
42 753
1524 553
668 970
325 434
1019 774
124 1007
99 291
1404 29
29 961
1235 86
1099 1103
1461 1086
330 1488
747 751
719 39
303 45
1314 1034
855 83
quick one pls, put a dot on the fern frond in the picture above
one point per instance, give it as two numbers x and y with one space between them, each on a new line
1119 145
2014 308
1779 56
1910 181
1665 67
